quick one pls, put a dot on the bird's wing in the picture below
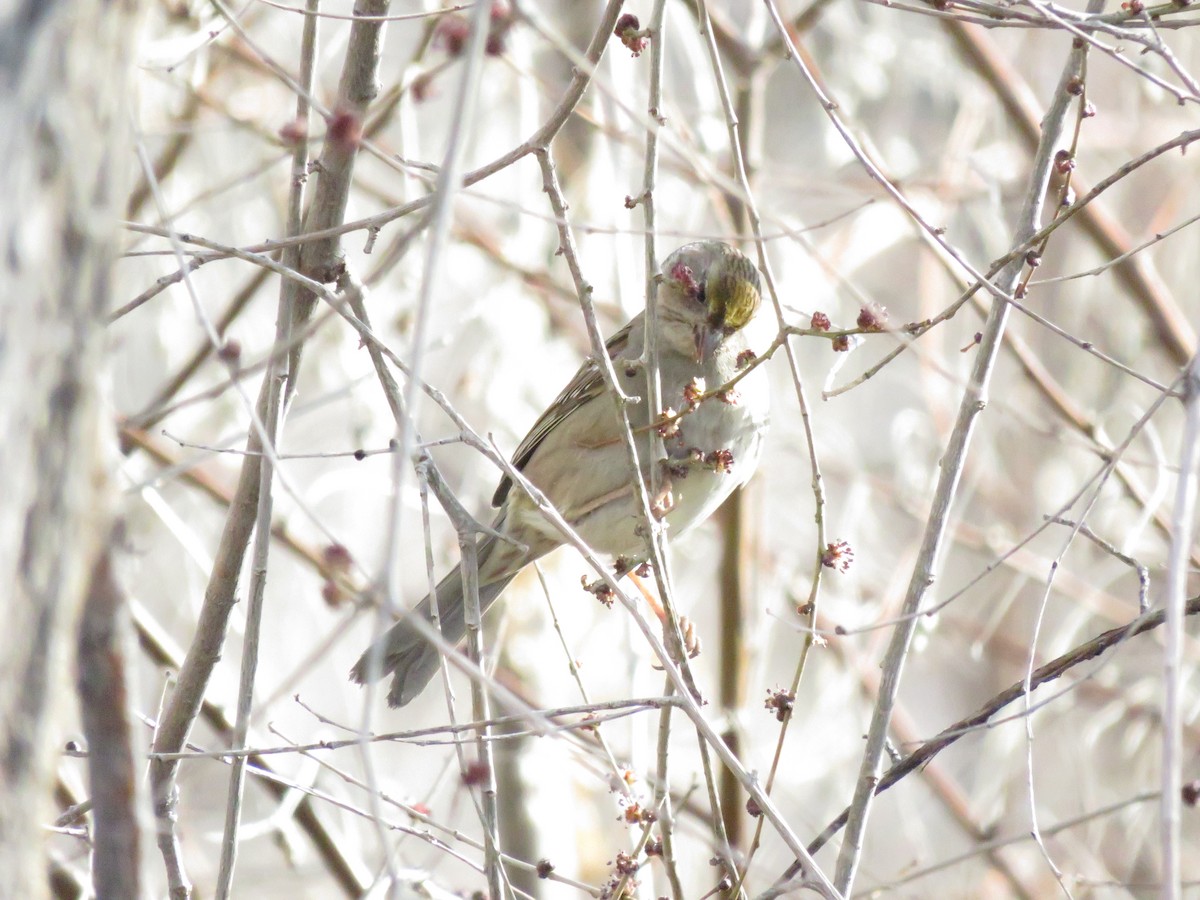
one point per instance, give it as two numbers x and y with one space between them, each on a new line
587 385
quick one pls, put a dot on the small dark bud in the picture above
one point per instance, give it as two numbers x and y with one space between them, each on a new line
872 317
599 590
720 461
753 809
1064 162
636 814
668 424
544 868
838 555
693 393
841 343
476 773
345 129
499 22
780 702
230 352
336 557
1191 793
629 32
745 358
293 132
1075 86
625 864
333 595
820 322
360 454
626 22
451 34
421 87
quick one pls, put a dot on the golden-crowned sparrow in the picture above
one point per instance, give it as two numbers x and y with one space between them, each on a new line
576 456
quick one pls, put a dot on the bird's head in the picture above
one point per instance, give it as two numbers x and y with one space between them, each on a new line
713 288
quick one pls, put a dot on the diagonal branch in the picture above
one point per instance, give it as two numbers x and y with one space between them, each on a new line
952 464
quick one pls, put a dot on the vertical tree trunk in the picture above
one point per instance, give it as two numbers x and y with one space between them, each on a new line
62 83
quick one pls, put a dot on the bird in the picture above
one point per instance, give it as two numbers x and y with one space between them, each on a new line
714 417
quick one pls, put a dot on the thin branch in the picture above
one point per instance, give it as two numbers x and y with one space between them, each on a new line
1184 529
950 472
348 872
277 378
662 788
1052 670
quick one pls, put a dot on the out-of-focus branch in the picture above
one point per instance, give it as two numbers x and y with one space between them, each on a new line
63 80
104 706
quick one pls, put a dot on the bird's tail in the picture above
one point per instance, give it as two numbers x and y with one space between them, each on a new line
406 654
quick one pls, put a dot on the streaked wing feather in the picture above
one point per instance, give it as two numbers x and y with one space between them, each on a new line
587 384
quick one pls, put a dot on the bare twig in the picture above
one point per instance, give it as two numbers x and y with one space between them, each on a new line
1143 573
276 381
1173 678
646 200
1104 228
1052 670
348 872
950 472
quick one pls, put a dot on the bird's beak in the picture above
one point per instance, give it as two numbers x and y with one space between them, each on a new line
707 339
